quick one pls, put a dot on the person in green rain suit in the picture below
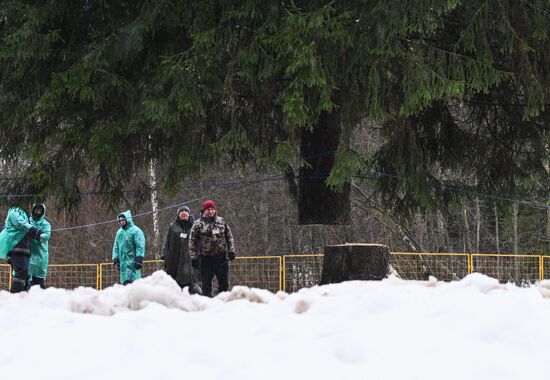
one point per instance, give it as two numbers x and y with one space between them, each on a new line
128 249
15 245
38 264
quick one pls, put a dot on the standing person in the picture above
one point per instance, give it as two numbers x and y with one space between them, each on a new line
212 244
128 249
15 244
38 265
175 253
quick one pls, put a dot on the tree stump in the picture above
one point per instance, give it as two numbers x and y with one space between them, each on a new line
355 261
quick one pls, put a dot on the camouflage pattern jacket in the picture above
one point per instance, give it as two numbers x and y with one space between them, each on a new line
210 237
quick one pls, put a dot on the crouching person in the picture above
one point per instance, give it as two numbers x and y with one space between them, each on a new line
38 265
15 244
128 249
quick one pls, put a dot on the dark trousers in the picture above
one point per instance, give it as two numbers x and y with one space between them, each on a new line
214 266
38 281
20 266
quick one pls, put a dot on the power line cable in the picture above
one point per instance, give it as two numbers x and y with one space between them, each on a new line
210 195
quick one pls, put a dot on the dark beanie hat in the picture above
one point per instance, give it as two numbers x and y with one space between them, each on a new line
181 208
208 204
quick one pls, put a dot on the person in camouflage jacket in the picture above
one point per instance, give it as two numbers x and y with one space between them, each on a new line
211 245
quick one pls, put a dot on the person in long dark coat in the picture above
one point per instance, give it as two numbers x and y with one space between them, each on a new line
175 253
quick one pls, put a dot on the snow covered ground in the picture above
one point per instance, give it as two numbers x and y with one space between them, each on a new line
394 329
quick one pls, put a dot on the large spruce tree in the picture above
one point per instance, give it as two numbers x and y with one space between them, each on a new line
458 89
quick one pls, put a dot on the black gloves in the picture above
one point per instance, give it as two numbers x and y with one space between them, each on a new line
34 233
231 256
195 262
139 262
137 265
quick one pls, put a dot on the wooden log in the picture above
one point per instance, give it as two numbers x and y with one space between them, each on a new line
355 261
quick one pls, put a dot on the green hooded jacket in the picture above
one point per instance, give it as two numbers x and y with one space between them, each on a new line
16 226
38 264
129 244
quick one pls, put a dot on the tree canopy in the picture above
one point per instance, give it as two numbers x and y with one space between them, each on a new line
458 90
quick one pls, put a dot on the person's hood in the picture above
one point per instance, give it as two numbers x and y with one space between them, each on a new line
43 215
128 215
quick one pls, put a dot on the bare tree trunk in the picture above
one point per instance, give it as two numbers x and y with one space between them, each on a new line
497 236
478 225
444 231
516 243
155 206
515 224
289 227
421 230
467 242
437 244
548 227
264 211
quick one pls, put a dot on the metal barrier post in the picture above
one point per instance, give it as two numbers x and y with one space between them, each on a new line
541 269
281 273
97 276
283 277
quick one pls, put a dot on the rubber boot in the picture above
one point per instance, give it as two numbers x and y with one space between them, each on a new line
18 285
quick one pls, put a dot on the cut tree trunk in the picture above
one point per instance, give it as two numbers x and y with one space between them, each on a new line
318 203
350 261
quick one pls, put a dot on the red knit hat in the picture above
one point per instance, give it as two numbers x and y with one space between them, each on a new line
208 204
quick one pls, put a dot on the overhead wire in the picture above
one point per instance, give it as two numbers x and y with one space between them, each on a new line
281 176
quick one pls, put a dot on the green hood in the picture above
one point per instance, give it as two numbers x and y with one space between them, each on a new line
43 215
128 215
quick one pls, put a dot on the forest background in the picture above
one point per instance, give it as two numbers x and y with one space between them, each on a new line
423 125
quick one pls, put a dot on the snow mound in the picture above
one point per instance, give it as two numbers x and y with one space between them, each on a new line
249 294
160 289
483 283
157 288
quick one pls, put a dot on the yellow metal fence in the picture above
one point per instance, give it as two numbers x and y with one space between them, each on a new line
293 272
